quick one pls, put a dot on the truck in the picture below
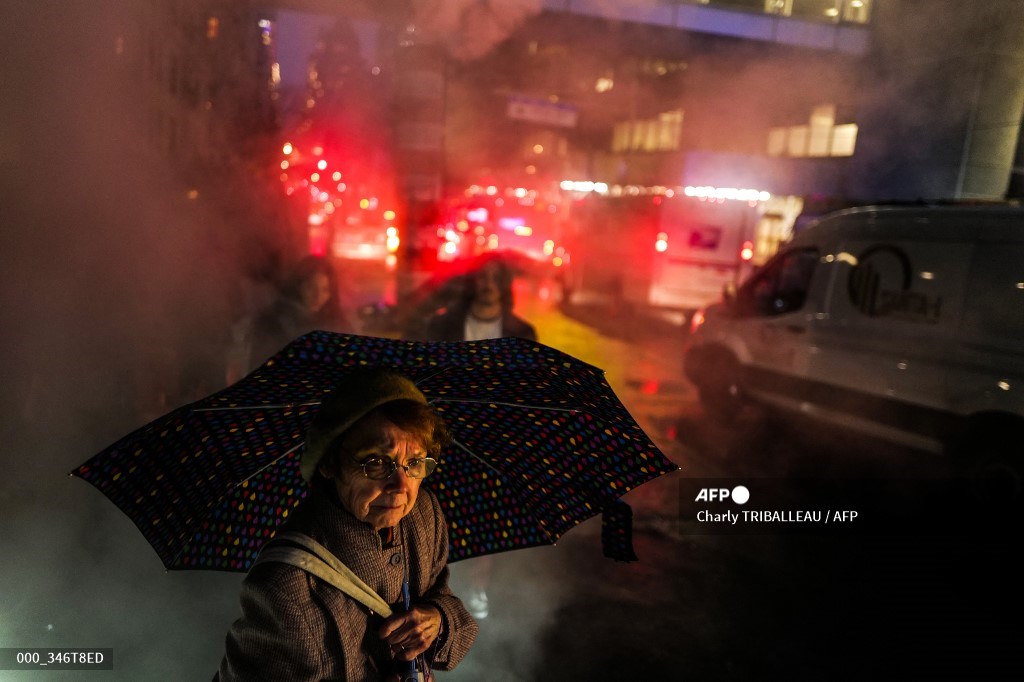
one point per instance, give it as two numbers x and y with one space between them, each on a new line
673 250
900 322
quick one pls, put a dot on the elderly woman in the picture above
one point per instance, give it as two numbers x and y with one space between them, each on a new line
367 452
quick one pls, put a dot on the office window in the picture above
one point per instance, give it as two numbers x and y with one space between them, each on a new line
844 139
820 138
659 134
750 5
783 7
832 11
798 140
819 134
857 11
821 10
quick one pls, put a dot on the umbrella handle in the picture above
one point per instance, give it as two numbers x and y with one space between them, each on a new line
411 675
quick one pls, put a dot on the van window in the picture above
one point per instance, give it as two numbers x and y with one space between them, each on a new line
781 287
994 301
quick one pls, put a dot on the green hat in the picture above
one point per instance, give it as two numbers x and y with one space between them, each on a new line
353 398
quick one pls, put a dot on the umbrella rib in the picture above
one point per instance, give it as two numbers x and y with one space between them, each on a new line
546 408
263 468
477 457
480 459
440 370
256 407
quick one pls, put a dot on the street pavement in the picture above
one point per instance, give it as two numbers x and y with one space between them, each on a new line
695 605
737 607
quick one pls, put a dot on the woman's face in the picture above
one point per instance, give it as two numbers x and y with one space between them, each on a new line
315 291
381 504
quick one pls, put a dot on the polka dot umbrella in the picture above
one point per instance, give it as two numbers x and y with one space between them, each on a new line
540 444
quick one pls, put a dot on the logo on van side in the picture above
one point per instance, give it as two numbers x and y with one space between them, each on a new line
879 286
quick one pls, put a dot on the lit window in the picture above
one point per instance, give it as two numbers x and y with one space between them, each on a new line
857 11
798 140
819 140
777 141
844 139
212 27
653 135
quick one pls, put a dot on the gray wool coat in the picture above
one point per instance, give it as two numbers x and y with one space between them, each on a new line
296 627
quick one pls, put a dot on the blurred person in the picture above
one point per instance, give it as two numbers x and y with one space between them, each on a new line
307 301
485 310
367 452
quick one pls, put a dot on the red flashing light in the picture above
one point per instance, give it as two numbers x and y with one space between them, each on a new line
747 252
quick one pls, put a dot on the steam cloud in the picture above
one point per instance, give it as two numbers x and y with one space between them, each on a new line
115 290
470 28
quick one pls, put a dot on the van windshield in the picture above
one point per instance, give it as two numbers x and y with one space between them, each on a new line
781 287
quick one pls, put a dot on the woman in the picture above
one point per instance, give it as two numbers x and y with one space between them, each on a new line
308 301
367 452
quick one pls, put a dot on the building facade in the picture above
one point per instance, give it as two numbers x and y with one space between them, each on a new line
866 101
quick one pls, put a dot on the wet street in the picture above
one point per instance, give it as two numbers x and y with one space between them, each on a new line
737 607
696 605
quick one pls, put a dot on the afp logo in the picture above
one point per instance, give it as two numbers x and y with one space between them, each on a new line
740 495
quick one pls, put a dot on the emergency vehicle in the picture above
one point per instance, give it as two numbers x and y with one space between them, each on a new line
672 249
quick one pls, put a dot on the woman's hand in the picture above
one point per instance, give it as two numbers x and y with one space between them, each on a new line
411 633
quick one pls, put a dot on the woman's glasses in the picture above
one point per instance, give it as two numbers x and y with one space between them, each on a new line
381 468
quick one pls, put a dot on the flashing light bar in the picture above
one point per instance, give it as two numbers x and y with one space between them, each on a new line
584 186
511 222
728 193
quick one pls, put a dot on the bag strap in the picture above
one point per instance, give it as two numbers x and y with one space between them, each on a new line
317 560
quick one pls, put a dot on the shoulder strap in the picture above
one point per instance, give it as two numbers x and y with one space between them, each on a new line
317 560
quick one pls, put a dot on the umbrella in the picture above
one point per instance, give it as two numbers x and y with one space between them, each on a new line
540 444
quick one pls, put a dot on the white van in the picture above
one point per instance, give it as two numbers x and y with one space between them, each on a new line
903 322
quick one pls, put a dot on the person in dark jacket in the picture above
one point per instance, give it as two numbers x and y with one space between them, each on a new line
485 311
369 448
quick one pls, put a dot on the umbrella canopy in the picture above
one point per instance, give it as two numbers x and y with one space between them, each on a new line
540 444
